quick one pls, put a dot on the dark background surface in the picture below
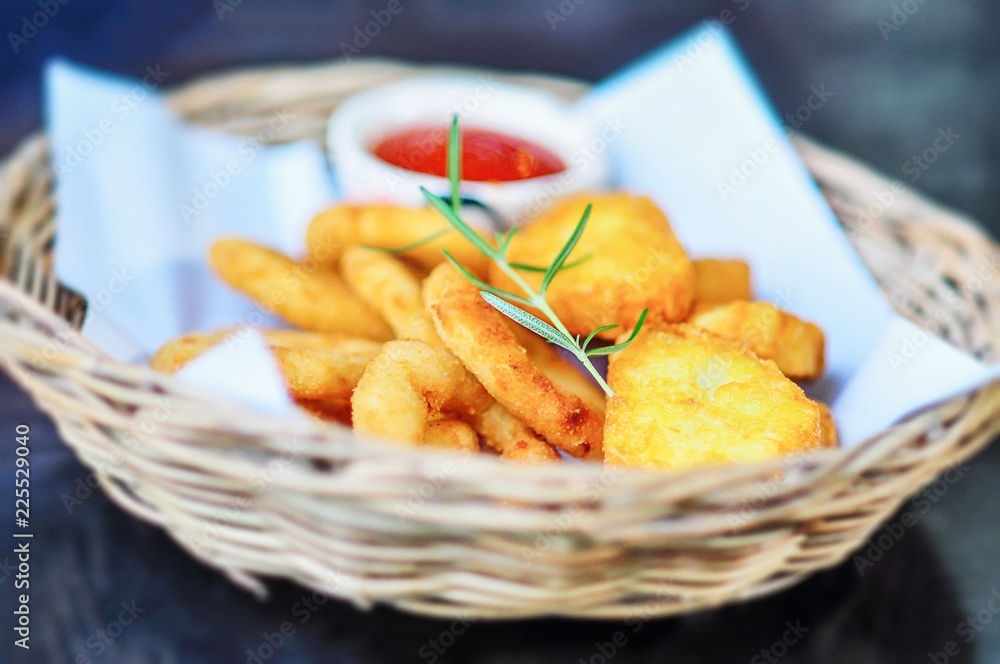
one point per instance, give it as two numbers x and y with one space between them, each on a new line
892 90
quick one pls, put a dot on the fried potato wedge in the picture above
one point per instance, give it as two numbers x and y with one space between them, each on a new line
478 335
320 370
718 281
686 398
632 262
335 230
409 382
314 299
392 290
797 347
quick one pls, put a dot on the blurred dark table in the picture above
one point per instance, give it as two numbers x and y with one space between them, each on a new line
107 588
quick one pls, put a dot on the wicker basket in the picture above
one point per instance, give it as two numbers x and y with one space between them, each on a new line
256 496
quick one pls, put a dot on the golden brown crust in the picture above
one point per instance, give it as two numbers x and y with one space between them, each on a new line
451 435
409 382
718 281
479 337
307 297
320 370
686 398
634 262
392 290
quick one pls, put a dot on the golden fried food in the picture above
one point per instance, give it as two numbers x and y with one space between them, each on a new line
718 281
560 370
451 435
392 290
828 428
320 370
334 230
313 299
477 334
686 398
511 437
795 345
633 262
407 383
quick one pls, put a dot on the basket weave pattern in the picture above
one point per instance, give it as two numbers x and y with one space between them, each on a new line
256 496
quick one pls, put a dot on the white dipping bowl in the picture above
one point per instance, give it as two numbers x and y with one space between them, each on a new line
357 126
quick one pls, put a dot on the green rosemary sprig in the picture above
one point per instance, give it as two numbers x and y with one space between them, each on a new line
556 332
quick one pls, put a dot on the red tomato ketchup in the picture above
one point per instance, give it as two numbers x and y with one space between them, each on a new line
487 156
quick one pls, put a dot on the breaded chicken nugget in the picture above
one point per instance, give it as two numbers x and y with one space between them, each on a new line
477 334
795 345
721 280
633 262
686 398
391 289
407 383
828 428
320 370
334 230
313 299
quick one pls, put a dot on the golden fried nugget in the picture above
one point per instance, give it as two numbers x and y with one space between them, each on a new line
686 398
334 230
392 290
477 334
795 345
310 298
718 281
511 437
633 262
451 435
320 370
408 382
828 428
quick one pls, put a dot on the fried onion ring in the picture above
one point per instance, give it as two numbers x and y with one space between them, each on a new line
334 230
477 334
311 298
